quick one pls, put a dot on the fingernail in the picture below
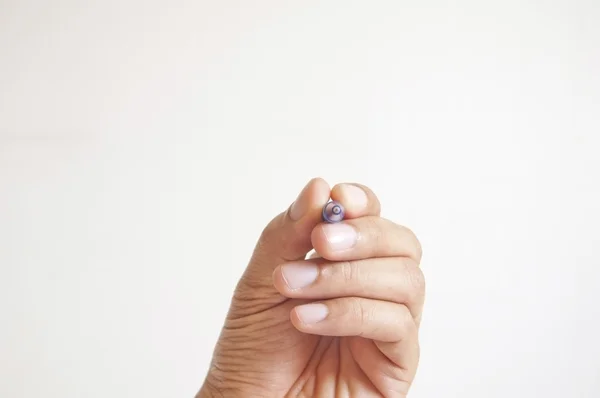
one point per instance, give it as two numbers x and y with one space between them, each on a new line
312 313
299 275
340 236
300 205
355 195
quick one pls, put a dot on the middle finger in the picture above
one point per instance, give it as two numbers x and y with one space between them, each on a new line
363 238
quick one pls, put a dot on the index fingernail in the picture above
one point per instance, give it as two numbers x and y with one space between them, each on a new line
354 195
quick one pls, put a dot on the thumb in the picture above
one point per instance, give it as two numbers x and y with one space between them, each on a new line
286 238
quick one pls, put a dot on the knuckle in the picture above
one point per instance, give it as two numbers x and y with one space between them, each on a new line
416 248
374 230
348 271
274 237
414 280
356 311
268 233
275 226
404 322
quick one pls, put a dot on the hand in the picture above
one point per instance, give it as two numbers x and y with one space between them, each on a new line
343 323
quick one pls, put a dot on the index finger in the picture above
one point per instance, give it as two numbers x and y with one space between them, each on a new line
358 200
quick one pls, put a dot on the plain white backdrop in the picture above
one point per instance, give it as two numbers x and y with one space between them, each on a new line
145 144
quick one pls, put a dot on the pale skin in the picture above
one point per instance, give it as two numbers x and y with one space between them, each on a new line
343 322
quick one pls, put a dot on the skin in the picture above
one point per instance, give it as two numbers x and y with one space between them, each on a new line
275 341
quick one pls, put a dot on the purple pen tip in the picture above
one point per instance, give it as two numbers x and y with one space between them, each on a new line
333 212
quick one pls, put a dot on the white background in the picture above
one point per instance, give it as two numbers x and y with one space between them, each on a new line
145 144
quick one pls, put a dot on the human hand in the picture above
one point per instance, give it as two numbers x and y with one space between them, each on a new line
343 323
